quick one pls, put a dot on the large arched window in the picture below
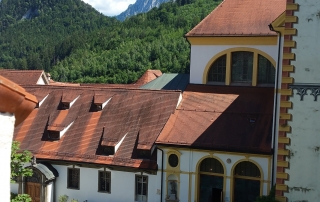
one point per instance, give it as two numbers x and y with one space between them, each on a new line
266 71
211 180
217 72
241 66
247 182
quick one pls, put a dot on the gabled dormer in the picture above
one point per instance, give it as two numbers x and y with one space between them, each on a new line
99 102
67 100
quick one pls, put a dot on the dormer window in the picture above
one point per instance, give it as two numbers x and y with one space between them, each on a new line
144 154
64 105
54 135
108 150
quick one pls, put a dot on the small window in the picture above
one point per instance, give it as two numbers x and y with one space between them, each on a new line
108 150
242 65
73 178
104 181
217 72
248 169
54 135
173 160
141 188
266 71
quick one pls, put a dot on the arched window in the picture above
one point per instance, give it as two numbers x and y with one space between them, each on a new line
241 67
211 180
266 71
217 72
247 182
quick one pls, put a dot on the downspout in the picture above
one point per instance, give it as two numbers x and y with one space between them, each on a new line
276 103
161 174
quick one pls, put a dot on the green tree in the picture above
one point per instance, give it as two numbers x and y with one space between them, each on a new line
18 159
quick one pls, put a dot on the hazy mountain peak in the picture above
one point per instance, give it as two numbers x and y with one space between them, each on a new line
140 6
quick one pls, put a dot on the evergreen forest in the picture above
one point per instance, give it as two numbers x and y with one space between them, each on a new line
75 43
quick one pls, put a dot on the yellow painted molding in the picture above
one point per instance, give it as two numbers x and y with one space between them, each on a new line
286 104
279 21
284 152
284 176
284 164
289 44
287 80
292 7
284 128
285 91
285 116
255 69
234 40
290 31
284 140
291 19
281 198
282 187
287 68
289 56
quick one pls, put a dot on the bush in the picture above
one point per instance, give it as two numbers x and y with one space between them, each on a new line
270 198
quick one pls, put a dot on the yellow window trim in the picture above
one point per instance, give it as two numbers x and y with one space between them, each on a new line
234 40
228 52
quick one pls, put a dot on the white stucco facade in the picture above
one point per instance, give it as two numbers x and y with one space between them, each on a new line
187 171
202 54
6 133
303 184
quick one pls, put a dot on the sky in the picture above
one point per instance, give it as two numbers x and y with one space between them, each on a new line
110 7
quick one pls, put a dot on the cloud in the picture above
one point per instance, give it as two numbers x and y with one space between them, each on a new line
110 7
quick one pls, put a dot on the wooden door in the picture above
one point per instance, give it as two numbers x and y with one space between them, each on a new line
33 189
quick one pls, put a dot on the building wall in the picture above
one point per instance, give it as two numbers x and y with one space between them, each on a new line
202 54
6 133
187 171
122 186
304 174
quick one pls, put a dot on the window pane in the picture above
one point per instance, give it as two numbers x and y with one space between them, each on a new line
217 70
247 168
266 71
209 188
211 165
104 181
141 187
242 65
246 190
73 178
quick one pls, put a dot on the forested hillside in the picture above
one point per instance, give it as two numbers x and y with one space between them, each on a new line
74 42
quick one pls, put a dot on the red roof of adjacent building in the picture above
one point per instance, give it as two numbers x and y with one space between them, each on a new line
148 76
240 18
136 115
236 119
22 77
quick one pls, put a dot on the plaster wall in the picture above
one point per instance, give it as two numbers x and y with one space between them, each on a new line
201 55
307 51
6 133
122 186
188 165
304 160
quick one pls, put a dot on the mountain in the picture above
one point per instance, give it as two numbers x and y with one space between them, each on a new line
75 43
140 6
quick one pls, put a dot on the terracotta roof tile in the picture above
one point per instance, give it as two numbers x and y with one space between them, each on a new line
222 118
22 77
240 18
141 114
148 76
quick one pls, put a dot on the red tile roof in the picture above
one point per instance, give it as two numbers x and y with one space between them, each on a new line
148 76
22 77
240 18
237 119
141 114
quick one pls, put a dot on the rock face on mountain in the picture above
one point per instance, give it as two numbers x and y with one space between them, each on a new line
141 6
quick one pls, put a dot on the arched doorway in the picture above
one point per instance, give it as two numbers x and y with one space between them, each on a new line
211 175
247 182
33 186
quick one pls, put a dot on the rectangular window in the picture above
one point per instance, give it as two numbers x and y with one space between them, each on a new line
73 178
104 181
141 188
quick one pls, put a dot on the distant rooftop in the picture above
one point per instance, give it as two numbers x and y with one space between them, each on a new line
240 18
168 82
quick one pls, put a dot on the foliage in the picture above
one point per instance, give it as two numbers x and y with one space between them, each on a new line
18 159
63 198
20 198
270 198
75 43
